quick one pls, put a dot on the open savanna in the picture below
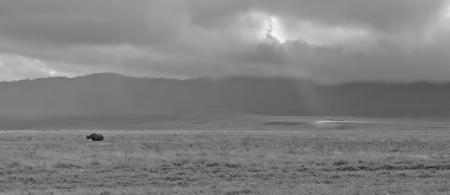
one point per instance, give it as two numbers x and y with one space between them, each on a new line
404 156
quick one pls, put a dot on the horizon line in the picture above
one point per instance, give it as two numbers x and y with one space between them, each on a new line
231 77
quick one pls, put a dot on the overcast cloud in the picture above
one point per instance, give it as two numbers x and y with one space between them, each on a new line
324 40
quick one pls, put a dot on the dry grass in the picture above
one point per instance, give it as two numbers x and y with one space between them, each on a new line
226 162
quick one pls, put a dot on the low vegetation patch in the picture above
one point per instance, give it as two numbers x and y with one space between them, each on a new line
247 162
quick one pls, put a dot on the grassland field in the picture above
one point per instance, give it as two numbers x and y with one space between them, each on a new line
408 157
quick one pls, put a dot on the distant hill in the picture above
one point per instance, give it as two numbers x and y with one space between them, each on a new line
117 96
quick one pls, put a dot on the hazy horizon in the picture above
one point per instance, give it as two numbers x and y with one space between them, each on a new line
233 77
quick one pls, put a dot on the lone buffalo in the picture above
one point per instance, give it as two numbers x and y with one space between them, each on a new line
95 137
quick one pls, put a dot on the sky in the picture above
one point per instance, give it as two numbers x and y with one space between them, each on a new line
331 41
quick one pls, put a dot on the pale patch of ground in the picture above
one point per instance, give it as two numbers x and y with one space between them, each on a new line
372 160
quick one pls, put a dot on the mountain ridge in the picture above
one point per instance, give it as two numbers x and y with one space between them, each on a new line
104 94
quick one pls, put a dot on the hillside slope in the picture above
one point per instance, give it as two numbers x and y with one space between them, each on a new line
120 98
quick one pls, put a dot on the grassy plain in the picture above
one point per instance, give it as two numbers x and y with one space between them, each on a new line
409 157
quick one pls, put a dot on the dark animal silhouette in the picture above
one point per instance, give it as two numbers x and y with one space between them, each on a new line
95 137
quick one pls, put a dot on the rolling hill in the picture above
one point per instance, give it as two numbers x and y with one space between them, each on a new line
107 98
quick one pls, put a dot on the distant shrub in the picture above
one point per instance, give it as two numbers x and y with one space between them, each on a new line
106 192
62 165
341 162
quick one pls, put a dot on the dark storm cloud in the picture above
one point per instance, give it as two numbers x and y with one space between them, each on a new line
326 40
69 22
